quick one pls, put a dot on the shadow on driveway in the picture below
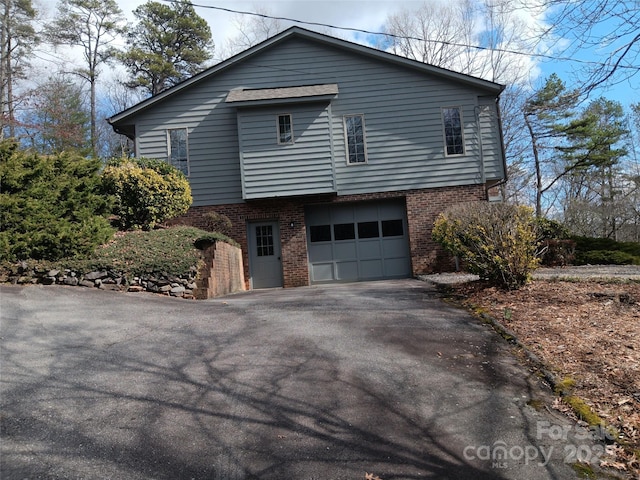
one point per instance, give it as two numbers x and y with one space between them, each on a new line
312 383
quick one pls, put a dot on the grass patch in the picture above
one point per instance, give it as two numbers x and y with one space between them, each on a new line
583 411
565 385
583 470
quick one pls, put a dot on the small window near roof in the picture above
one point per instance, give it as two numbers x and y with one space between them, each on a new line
453 135
285 131
355 139
178 149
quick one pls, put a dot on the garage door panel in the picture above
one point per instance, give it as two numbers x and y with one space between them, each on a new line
396 267
390 211
345 251
369 249
370 269
343 215
319 215
320 252
394 247
322 272
347 271
366 213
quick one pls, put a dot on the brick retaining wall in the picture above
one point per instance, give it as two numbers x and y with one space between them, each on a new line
222 273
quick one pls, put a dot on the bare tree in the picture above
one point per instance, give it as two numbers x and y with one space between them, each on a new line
252 30
435 33
609 28
93 26
474 38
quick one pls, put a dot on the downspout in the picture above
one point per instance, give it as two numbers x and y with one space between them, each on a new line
483 175
504 156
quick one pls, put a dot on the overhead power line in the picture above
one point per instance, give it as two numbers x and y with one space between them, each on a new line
404 37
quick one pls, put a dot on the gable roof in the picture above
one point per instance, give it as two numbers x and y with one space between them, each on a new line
299 32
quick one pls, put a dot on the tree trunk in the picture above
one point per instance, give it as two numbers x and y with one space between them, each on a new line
4 36
536 159
94 142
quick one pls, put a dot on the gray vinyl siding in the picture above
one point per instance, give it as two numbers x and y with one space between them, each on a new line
402 109
491 139
270 169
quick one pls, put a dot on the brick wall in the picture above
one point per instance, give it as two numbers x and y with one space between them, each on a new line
222 273
423 206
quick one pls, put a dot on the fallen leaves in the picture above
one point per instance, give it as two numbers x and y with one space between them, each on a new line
589 331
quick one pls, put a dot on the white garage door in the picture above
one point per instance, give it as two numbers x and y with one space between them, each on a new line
357 241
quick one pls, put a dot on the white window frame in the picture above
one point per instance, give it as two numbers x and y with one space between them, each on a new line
346 139
280 142
186 130
444 132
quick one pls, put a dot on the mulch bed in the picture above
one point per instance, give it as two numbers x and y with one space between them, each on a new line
587 331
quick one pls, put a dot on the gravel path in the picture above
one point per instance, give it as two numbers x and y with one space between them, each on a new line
628 272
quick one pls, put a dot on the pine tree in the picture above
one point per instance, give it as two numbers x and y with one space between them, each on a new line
169 44
17 41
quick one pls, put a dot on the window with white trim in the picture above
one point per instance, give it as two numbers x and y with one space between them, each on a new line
355 139
285 129
453 131
178 149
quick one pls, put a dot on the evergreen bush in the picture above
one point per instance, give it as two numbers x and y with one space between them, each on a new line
51 206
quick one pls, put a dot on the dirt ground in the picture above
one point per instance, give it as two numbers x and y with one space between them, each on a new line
585 331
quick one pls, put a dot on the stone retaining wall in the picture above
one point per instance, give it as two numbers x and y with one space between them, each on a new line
221 274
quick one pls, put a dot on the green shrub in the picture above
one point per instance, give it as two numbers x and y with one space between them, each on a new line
146 191
217 222
556 247
587 244
554 253
496 241
551 229
50 206
606 257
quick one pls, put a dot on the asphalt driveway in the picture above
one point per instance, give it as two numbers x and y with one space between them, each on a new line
326 382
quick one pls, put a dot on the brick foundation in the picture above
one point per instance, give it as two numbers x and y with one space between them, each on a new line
423 206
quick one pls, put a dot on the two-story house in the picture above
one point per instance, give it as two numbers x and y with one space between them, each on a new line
331 159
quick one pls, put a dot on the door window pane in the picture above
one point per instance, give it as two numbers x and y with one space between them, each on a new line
320 233
264 240
368 230
392 228
344 231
